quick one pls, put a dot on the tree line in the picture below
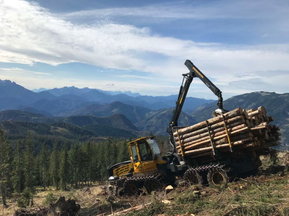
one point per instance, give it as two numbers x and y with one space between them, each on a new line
24 165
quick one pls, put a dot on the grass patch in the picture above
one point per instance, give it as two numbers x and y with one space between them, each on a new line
154 209
257 210
251 196
49 199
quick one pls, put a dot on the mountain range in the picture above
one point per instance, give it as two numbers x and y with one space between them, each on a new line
82 113
71 100
86 111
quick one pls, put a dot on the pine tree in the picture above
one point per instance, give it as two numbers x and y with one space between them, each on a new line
5 168
18 172
104 160
74 163
89 154
54 168
64 170
96 162
44 167
122 153
28 165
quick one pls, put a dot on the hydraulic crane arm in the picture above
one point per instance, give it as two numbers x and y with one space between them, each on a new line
187 79
197 73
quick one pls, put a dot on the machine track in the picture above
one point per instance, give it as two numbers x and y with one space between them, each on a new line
136 185
212 174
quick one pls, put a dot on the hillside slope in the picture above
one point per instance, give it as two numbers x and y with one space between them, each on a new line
19 115
107 97
133 113
157 122
18 124
71 100
115 121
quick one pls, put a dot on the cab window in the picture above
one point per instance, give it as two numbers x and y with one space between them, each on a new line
154 146
145 152
134 153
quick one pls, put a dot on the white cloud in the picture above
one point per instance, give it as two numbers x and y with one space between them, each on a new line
34 80
242 9
31 34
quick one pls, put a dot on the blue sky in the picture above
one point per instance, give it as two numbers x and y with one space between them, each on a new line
141 46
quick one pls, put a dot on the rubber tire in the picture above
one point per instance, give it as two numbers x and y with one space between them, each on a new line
130 189
152 185
217 177
193 177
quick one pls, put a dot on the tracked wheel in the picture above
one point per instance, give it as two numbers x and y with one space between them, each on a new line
153 184
193 177
217 177
130 188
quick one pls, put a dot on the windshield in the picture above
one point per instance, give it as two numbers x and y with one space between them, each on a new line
154 146
145 151
134 153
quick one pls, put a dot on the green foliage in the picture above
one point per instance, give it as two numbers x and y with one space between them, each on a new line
5 168
64 170
43 163
35 163
186 197
54 168
50 198
28 165
18 172
155 208
26 198
258 210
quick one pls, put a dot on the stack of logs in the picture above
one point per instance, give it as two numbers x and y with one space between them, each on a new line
233 130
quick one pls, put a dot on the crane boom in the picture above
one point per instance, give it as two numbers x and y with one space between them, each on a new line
187 79
208 83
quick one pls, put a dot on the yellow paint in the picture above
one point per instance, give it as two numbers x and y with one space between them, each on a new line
145 166
137 166
198 72
123 170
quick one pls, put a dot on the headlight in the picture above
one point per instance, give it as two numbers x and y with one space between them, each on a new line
111 178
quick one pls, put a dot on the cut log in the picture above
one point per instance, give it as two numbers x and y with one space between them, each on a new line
230 122
206 135
202 124
239 127
196 143
240 142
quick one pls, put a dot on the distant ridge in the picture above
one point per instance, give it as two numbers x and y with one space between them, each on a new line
129 113
68 100
19 124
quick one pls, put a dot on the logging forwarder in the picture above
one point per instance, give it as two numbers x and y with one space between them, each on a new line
150 168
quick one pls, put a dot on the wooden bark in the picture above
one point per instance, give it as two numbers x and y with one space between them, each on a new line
240 142
217 143
210 153
206 135
242 128
196 143
260 126
227 115
230 122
